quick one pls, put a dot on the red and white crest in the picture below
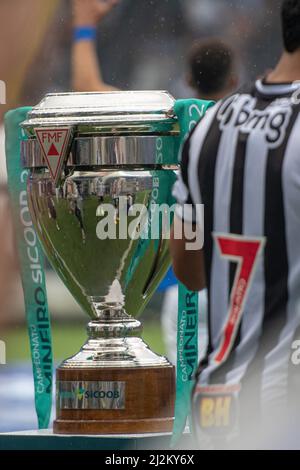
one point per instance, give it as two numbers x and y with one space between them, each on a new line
54 144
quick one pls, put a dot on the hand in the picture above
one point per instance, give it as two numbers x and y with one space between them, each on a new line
90 12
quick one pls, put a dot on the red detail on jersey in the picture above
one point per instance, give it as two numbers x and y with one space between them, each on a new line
245 252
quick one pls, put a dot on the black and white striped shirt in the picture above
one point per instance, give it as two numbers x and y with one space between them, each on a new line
243 163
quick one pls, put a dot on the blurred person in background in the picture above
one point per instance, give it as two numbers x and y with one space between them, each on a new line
212 75
19 43
212 69
86 70
242 163
212 64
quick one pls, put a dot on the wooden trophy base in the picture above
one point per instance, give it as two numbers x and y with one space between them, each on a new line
129 400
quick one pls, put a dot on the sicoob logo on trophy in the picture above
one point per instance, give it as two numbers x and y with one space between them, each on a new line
100 163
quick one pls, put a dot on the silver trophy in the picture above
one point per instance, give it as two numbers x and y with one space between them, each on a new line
94 158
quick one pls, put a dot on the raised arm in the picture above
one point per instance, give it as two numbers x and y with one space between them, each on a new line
86 70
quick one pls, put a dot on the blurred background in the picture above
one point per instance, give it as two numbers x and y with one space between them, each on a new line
142 44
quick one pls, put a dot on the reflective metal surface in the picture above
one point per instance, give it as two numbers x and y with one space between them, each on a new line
110 151
114 112
112 278
124 351
103 275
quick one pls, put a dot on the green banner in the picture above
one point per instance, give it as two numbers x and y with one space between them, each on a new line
32 269
189 113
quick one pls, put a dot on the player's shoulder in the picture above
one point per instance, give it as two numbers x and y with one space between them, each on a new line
213 112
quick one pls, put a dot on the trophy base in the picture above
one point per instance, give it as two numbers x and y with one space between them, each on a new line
113 427
115 385
133 400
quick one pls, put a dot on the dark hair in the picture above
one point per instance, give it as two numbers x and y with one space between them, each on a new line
290 14
211 63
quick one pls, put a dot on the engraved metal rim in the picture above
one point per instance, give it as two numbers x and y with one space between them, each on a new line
109 151
114 364
127 352
94 120
114 128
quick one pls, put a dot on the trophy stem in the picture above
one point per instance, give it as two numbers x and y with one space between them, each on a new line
112 322
114 329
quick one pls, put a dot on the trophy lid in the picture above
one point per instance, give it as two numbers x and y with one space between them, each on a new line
103 109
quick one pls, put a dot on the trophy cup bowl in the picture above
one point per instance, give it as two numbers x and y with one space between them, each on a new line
92 159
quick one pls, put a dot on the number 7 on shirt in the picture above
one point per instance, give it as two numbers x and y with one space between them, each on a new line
244 251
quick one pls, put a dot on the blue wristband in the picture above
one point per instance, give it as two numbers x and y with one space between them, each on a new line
84 33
